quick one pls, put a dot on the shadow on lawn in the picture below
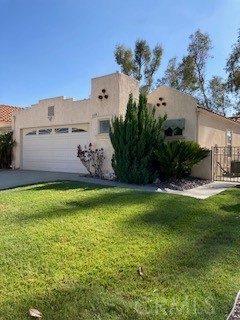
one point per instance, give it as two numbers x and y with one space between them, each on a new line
232 208
62 185
90 204
204 233
80 301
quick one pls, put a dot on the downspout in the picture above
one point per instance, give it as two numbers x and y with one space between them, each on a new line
197 123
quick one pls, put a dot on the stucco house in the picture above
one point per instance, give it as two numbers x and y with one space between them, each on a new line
6 113
48 132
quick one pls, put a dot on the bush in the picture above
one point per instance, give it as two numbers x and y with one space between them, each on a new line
6 146
92 159
134 140
176 158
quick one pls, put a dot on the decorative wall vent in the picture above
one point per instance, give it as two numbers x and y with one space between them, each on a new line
162 103
51 111
104 95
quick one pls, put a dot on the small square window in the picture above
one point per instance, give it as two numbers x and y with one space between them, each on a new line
104 126
51 111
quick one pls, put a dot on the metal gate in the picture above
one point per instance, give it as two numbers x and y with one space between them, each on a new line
226 163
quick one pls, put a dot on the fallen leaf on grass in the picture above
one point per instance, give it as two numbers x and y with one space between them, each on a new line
140 271
35 313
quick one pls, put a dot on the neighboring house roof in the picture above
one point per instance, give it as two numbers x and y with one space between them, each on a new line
235 118
6 112
219 115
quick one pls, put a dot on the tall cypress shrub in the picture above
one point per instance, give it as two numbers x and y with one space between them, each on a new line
134 140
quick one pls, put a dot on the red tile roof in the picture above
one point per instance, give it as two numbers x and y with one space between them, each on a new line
6 112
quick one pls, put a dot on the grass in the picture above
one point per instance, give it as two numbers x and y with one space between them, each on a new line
72 251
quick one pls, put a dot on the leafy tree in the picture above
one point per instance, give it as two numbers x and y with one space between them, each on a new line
153 66
175 159
219 100
142 56
124 57
187 75
198 50
190 74
180 76
134 140
171 76
233 72
233 67
142 63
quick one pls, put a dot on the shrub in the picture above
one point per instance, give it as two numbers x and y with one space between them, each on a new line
92 159
134 140
176 158
6 146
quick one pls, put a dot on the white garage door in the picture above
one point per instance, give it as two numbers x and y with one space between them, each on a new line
53 149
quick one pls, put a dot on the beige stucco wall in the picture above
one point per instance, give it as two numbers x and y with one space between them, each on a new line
212 130
201 126
88 112
179 106
203 169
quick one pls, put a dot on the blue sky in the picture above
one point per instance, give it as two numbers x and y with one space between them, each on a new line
54 47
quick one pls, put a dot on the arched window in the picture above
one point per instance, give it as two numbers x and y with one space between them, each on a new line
168 132
177 132
74 130
32 133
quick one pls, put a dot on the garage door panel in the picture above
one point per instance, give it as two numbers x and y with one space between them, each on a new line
53 152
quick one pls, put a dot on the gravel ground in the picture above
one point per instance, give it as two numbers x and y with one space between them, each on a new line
183 184
236 311
174 184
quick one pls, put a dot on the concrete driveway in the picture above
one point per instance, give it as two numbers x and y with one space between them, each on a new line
10 179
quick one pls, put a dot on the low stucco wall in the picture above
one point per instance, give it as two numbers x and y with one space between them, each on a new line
203 169
212 130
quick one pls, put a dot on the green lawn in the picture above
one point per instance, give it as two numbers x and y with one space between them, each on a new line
72 251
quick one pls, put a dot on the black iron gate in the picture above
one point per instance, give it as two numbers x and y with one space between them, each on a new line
226 163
